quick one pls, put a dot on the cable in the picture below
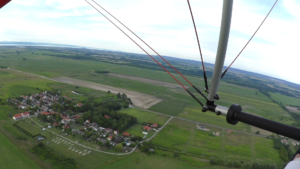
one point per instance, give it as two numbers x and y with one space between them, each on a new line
204 73
147 54
156 52
223 74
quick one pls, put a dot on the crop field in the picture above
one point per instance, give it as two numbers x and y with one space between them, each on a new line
285 100
196 146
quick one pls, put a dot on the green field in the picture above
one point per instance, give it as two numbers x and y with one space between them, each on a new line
197 147
285 100
141 115
13 158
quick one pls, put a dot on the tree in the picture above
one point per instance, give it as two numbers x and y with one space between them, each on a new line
44 118
176 154
124 96
100 143
119 147
119 95
108 92
257 132
107 144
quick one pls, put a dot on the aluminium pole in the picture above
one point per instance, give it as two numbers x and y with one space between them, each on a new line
222 47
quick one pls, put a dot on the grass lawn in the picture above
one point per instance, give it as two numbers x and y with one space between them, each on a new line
264 150
141 115
136 130
139 160
175 135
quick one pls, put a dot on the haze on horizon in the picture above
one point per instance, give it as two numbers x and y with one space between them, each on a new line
167 27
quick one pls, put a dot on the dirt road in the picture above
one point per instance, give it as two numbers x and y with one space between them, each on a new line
170 85
141 100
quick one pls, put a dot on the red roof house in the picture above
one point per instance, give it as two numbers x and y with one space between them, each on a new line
55 124
45 113
110 138
154 125
126 134
147 128
79 104
21 116
106 116
66 127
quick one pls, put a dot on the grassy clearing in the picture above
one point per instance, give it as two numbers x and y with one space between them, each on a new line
264 150
175 135
159 119
139 160
15 84
238 145
194 113
205 144
136 130
141 115
17 154
13 158
170 106
285 100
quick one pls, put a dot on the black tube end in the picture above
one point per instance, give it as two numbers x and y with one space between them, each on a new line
230 117
223 74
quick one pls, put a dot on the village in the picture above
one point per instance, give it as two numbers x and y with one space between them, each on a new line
70 122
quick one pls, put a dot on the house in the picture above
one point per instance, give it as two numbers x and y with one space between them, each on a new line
87 123
128 143
101 128
79 105
154 125
145 132
119 139
94 128
106 116
21 116
151 150
45 113
55 124
147 128
66 126
108 130
110 138
127 149
126 134
116 132
65 96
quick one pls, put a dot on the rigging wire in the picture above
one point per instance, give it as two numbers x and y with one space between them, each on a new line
147 54
204 73
157 53
223 74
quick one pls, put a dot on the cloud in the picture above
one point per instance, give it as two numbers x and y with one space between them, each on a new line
167 27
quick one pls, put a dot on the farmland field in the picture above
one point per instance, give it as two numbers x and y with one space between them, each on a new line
195 146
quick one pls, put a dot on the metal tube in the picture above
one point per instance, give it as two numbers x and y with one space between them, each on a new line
222 47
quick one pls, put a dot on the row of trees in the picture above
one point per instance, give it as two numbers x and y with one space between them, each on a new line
56 160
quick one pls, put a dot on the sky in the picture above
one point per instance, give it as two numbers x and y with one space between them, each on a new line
166 26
